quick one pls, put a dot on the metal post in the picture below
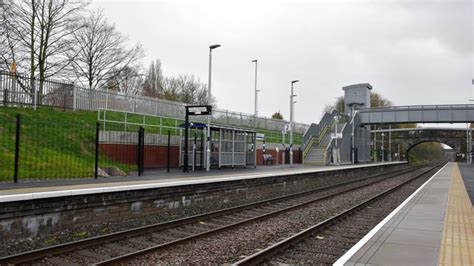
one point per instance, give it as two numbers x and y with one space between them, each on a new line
201 160
220 148
291 125
96 166
35 95
233 148
291 122
468 154
208 150
17 149
375 144
352 136
399 155
74 100
134 103
335 135
470 144
382 151
256 93
186 136
140 150
194 150
390 142
107 98
168 152
283 133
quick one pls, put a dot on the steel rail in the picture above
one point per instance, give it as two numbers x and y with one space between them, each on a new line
129 256
37 254
267 253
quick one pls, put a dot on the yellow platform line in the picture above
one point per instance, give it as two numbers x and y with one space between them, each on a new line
457 246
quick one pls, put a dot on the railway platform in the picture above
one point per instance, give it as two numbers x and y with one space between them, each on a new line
434 226
59 188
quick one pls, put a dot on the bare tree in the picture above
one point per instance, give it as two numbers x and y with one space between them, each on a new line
154 80
183 88
186 89
100 52
37 34
128 81
277 115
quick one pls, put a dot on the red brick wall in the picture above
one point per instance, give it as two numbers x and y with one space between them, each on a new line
154 156
296 156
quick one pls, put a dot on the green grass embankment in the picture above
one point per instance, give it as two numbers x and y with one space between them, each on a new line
53 143
57 143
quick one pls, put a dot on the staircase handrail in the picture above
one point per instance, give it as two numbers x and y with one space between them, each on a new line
322 134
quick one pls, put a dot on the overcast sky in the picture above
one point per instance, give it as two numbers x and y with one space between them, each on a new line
412 52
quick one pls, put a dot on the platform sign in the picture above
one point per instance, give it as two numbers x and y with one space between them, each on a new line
260 136
192 110
338 135
199 110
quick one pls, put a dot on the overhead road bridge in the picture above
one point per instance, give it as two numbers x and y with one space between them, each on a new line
459 113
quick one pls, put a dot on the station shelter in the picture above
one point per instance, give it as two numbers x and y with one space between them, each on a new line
230 146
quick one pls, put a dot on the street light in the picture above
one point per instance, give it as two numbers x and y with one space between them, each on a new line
256 91
208 143
291 121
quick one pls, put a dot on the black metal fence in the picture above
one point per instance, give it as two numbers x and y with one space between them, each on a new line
32 146
17 89
43 148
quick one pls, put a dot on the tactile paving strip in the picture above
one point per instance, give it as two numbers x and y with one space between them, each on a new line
457 246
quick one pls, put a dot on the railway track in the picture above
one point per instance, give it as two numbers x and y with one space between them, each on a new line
324 242
121 246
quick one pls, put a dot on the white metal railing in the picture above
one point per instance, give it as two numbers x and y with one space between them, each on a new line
411 107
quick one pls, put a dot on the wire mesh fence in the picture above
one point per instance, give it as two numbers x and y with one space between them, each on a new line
61 144
35 146
41 148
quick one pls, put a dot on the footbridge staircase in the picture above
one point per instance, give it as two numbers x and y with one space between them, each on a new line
317 140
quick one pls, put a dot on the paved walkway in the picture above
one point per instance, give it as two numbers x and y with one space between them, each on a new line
433 226
35 190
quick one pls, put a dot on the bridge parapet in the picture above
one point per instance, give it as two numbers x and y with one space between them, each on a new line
455 113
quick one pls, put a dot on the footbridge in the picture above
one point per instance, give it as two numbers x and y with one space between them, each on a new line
346 137
459 113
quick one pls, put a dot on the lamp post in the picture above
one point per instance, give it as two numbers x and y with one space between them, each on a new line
291 121
256 92
208 143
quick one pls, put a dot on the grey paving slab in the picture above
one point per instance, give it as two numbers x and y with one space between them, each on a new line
421 224
427 214
413 235
396 254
